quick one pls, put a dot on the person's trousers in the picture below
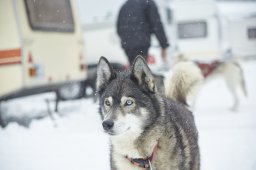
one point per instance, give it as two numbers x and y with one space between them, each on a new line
133 53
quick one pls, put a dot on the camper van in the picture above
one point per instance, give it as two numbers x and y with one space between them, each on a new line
208 28
197 29
99 31
241 34
41 47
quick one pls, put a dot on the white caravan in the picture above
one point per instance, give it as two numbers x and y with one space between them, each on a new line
41 46
242 36
205 29
196 28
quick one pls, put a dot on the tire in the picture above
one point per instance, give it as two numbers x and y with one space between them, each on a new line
71 91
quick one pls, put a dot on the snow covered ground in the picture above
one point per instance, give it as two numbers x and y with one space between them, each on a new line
75 140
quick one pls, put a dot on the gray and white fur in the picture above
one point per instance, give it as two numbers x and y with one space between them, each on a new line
137 117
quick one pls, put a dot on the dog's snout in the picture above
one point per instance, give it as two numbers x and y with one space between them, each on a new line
107 124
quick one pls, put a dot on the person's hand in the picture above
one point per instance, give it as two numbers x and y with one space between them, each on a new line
164 54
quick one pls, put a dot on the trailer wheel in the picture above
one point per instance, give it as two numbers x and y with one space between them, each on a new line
71 91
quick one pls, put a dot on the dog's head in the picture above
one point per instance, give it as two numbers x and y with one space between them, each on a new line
127 99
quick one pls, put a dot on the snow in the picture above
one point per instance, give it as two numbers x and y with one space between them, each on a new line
66 145
76 140
227 139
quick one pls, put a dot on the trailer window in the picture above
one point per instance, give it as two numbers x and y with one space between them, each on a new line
49 15
251 33
197 29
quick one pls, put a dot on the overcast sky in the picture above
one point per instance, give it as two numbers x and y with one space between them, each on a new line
99 10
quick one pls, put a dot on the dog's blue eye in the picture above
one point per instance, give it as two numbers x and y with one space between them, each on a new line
128 102
107 103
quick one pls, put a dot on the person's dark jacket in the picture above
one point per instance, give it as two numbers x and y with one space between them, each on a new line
137 20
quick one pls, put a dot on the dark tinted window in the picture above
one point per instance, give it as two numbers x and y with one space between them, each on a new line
251 33
197 29
50 15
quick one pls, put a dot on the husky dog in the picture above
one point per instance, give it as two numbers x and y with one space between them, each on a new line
229 69
147 130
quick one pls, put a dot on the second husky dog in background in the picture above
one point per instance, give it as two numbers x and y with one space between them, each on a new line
229 69
146 129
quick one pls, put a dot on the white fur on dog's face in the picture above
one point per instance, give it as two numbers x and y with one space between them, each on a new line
124 115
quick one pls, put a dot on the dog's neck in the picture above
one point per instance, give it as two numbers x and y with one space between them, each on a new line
125 144
135 144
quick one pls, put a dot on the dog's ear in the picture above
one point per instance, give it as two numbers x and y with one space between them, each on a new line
105 74
142 74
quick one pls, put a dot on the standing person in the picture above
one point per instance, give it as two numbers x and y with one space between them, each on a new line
137 20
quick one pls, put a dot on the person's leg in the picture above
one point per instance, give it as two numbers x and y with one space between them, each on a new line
133 53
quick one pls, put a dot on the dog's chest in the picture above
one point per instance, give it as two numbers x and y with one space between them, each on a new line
122 147
125 147
160 162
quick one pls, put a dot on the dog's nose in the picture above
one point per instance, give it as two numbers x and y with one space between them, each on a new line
107 124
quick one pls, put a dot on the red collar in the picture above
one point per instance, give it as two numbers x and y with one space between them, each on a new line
144 162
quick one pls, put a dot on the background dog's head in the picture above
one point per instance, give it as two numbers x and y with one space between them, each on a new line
126 98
